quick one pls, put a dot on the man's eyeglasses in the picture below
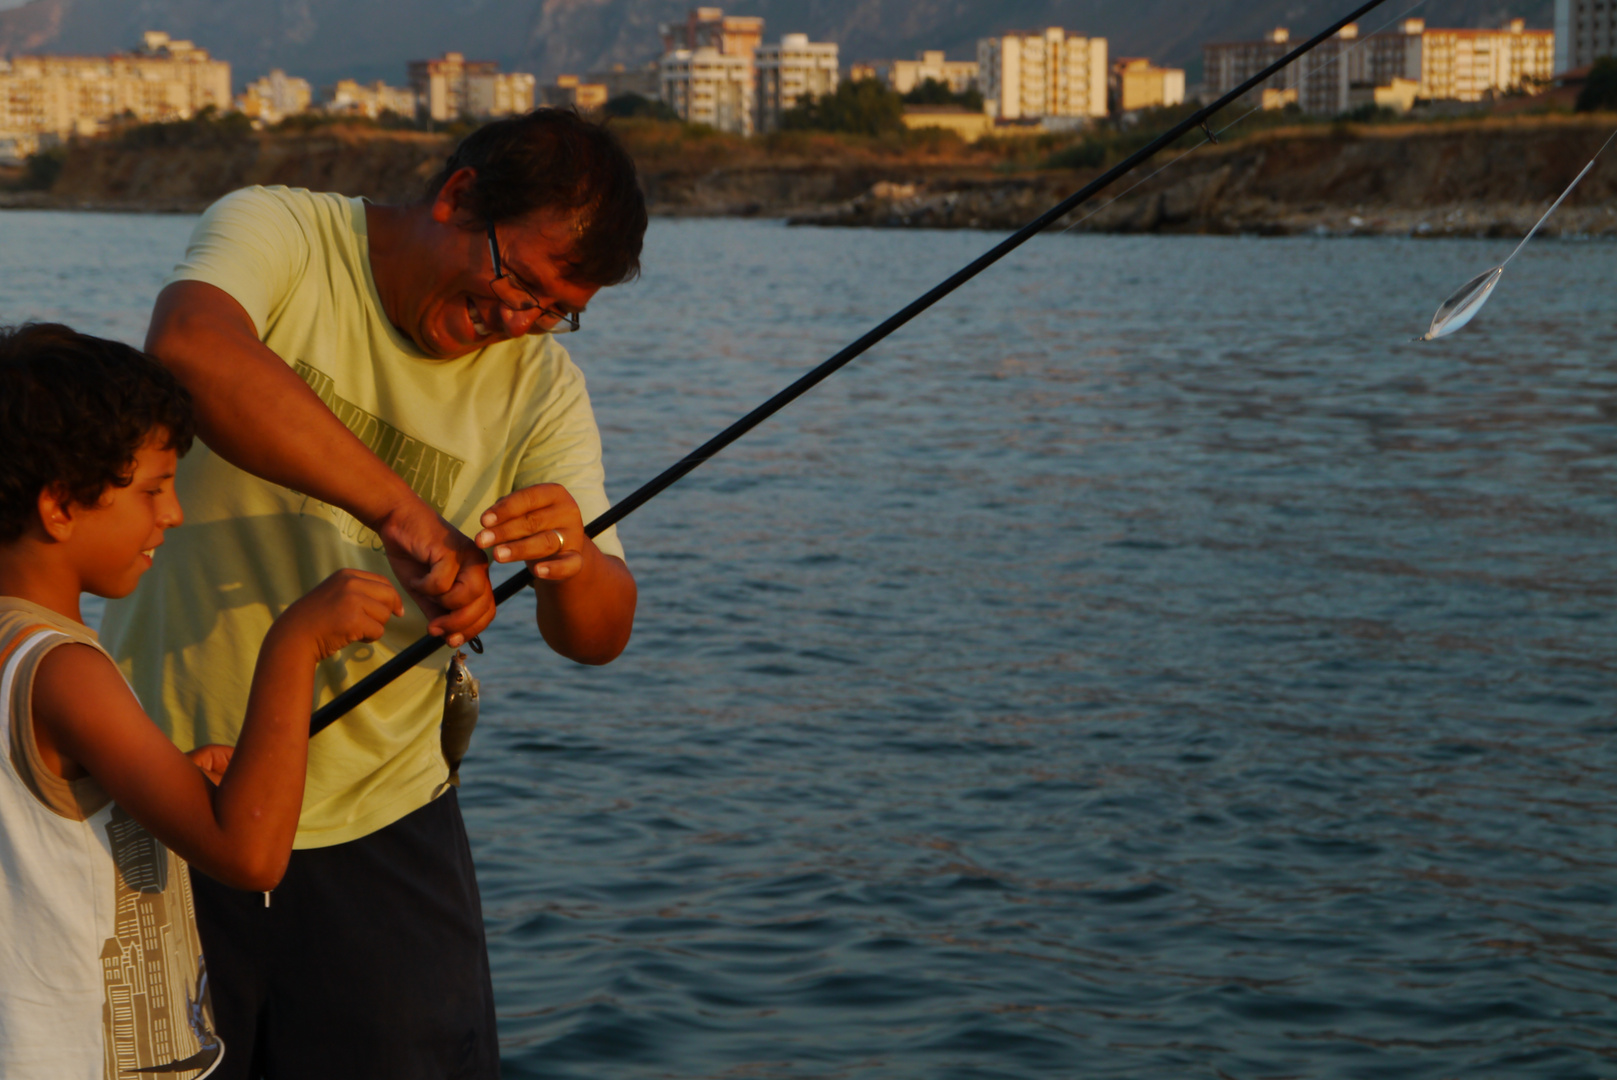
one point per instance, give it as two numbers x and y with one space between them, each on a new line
513 295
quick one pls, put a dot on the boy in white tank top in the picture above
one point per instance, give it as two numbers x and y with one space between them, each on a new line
101 972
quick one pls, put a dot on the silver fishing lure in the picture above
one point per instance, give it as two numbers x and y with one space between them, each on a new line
460 714
1463 306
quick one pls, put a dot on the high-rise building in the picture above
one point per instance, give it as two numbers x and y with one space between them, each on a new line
790 72
1585 30
704 86
1042 76
52 97
452 86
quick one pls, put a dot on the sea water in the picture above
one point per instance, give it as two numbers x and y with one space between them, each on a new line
1111 675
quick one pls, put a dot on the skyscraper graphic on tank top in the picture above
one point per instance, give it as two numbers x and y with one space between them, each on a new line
156 1017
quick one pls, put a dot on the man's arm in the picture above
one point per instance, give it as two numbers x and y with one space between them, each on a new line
256 413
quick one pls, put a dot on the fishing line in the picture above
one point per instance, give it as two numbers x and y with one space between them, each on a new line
1211 137
429 644
1458 310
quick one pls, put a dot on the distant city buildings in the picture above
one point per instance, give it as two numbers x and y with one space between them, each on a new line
958 75
707 74
349 98
790 72
44 99
1585 30
1048 76
452 87
1392 68
571 92
704 86
716 69
275 97
1136 83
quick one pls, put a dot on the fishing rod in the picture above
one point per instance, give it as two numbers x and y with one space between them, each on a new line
429 644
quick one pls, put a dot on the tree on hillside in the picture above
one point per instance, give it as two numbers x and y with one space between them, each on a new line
1600 89
639 107
866 107
933 92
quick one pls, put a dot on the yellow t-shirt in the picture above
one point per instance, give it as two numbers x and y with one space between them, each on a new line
462 432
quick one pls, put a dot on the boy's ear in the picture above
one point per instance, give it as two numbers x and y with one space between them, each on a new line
56 515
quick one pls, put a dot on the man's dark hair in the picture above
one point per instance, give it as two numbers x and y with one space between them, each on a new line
554 159
74 409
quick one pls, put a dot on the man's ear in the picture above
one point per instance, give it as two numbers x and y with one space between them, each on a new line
57 515
449 206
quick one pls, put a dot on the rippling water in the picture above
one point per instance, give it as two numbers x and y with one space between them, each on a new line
1150 664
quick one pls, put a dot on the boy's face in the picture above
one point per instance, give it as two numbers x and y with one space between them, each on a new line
114 540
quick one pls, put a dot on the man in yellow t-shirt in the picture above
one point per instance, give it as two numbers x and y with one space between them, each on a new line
381 387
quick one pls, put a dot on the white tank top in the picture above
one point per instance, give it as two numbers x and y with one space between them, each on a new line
101 969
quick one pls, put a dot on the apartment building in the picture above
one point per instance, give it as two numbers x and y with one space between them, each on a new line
351 98
1137 83
1444 65
451 87
1469 65
1320 85
1042 76
958 75
791 71
51 97
704 86
1585 30
275 97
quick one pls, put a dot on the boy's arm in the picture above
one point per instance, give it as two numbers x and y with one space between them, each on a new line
241 832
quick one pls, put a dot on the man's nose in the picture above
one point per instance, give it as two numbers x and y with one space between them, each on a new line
518 323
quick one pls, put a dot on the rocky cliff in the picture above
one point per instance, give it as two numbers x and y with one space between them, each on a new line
1469 177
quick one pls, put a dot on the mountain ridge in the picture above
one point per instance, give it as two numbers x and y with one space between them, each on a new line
323 40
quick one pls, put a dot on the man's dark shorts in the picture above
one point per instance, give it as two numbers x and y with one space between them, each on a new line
369 962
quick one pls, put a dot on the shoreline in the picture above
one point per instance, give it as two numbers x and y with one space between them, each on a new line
1491 177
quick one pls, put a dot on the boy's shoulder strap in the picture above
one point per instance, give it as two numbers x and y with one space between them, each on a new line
19 661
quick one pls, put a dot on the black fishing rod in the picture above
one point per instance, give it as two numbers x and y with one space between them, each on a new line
514 584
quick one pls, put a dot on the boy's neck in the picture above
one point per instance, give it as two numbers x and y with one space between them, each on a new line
29 573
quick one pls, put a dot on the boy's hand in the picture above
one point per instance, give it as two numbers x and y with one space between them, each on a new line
213 760
349 606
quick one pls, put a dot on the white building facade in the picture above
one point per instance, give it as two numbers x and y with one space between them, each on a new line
1042 76
275 97
791 71
704 86
1585 30
958 75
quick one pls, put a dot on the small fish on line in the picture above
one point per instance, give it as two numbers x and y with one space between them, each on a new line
460 715
1463 306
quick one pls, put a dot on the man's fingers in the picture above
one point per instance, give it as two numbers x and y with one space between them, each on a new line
558 569
523 501
542 545
466 622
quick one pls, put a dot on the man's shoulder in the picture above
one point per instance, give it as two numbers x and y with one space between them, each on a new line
284 209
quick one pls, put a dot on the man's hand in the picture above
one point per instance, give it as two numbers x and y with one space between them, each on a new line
541 526
213 760
586 599
443 571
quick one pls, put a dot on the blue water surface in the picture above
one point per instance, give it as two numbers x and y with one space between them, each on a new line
1148 664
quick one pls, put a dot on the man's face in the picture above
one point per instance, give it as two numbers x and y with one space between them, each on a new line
457 311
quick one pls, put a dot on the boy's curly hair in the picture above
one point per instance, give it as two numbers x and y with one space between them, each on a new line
73 411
